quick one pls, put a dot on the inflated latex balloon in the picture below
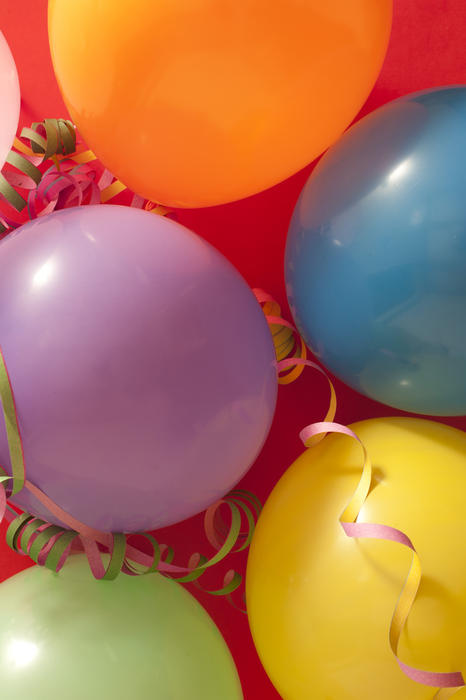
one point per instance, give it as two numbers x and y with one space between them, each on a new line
142 366
194 103
69 636
376 255
320 602
9 99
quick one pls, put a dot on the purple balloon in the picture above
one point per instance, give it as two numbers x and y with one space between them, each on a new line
142 366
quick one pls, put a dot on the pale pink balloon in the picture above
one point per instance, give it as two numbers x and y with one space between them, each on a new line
9 99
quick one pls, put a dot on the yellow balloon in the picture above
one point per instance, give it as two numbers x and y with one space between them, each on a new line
320 602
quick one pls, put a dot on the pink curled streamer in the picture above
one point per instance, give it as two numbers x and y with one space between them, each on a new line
448 683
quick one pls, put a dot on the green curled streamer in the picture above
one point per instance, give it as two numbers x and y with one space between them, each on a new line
251 522
117 551
117 557
20 162
15 446
198 569
240 496
27 534
139 569
25 527
15 528
228 588
169 555
41 540
60 137
56 553
59 140
49 544
12 197
28 530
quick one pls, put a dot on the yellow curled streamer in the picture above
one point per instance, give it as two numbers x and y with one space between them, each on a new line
287 342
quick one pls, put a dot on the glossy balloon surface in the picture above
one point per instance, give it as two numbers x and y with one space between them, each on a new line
70 636
199 102
376 255
320 603
141 364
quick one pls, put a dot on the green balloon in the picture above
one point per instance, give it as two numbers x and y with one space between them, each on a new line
68 636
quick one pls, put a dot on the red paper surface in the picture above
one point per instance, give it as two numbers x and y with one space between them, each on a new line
427 49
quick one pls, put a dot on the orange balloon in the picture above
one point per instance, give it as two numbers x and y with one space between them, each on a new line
200 102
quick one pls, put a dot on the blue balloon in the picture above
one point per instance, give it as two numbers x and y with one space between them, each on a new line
376 255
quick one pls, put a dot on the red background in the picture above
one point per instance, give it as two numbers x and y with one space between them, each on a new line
427 49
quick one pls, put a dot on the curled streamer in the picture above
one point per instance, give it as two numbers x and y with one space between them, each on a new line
288 344
50 545
291 353
48 140
53 171
447 683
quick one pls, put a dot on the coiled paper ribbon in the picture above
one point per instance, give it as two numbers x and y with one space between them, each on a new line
448 683
50 545
291 352
53 172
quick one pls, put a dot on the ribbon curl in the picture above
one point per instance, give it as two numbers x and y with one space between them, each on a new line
50 545
291 353
447 683
54 172
287 342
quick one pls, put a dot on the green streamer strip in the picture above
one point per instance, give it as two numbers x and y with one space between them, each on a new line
15 445
59 140
49 545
